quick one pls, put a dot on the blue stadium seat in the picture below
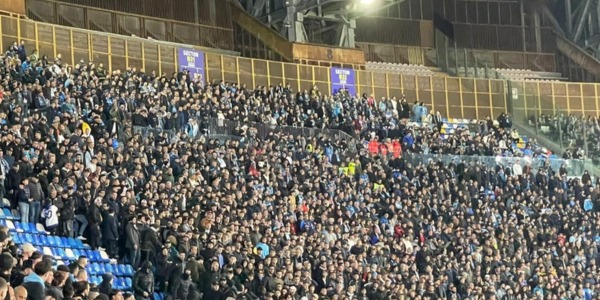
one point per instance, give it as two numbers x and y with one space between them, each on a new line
118 271
27 228
94 255
17 239
96 268
18 227
65 242
109 268
128 283
129 271
72 243
2 215
32 228
122 283
102 269
115 284
44 240
77 253
81 245
51 241
90 270
37 241
56 241
15 214
8 214
122 270
90 255
28 238
55 253
119 283
63 254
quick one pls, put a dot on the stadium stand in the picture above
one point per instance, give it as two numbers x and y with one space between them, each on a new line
160 184
400 68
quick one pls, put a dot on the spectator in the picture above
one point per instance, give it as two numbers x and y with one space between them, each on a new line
143 282
132 243
21 293
24 199
109 232
266 213
35 283
37 196
65 205
105 286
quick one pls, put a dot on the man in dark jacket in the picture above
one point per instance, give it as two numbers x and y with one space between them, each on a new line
95 219
143 282
66 209
24 198
150 243
35 283
37 196
110 234
132 242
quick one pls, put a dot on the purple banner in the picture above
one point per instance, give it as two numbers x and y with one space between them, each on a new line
343 79
193 61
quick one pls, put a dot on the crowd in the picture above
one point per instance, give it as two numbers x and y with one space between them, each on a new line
575 133
279 216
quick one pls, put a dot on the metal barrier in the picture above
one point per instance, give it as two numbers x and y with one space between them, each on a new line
574 167
261 131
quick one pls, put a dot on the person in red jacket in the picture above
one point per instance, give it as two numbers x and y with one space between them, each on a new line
396 148
373 147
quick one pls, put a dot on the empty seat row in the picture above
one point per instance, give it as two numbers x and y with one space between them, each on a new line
118 282
48 240
73 254
8 214
16 226
117 270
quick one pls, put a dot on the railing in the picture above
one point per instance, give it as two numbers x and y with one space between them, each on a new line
574 167
249 132
261 131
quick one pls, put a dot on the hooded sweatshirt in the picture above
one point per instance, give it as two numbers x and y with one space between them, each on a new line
36 288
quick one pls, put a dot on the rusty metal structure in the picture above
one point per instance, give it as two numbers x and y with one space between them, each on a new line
576 20
330 22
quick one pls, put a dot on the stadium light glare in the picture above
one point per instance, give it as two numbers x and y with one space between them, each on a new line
366 2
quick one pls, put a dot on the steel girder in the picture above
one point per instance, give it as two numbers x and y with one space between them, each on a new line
329 22
578 21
